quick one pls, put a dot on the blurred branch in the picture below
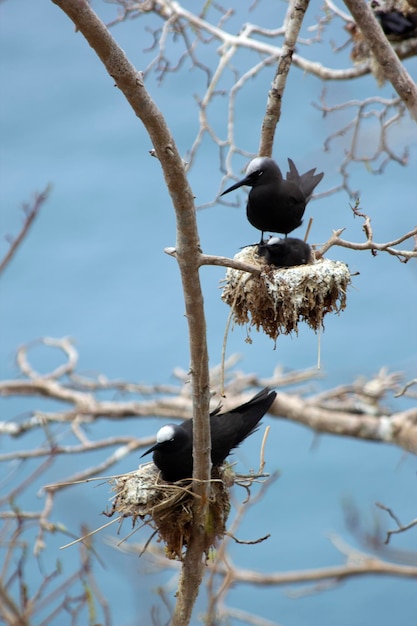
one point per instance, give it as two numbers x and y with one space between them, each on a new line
216 593
401 527
30 211
58 595
407 386
351 410
374 536
357 563
393 70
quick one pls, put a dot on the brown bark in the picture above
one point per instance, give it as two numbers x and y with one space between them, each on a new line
392 68
131 84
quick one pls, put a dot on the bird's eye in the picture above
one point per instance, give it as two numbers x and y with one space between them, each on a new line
260 172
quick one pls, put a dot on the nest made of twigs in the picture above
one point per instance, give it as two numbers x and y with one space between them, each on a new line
277 299
168 507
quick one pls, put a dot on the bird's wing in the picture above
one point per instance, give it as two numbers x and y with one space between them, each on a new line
229 429
306 182
395 23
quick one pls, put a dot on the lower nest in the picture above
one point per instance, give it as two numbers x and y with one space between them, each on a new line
168 507
277 299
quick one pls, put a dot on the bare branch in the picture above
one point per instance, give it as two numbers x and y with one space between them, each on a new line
222 261
296 12
407 386
375 155
357 563
131 84
31 211
170 10
355 410
368 566
401 527
392 68
370 244
351 410
209 259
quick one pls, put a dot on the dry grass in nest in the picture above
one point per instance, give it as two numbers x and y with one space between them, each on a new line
167 507
279 298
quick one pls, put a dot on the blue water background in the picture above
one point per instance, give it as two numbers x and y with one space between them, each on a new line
93 268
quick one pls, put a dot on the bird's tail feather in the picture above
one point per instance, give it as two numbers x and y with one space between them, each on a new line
253 411
307 181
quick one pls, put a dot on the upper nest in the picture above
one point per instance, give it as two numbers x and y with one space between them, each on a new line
168 507
279 298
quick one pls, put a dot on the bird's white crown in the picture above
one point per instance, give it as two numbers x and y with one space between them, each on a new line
272 240
255 164
166 433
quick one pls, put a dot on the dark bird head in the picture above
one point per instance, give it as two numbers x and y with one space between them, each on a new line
287 252
173 451
170 438
260 171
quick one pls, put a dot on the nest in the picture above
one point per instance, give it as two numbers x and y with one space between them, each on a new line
279 298
168 507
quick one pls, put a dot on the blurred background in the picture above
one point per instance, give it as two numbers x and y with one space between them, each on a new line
93 268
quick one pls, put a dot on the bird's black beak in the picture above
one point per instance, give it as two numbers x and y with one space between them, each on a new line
155 447
244 181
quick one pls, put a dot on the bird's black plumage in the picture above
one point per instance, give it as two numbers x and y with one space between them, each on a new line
173 452
395 23
276 204
286 252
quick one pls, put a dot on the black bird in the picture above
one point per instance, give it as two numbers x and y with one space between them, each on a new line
276 204
285 252
173 451
395 23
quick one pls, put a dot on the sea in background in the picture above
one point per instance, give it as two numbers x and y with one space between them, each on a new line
93 268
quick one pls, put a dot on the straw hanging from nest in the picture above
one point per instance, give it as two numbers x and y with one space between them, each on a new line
277 299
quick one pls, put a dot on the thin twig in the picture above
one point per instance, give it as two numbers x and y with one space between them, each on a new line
30 212
401 527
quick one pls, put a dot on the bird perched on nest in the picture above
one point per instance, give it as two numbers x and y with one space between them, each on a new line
276 204
398 21
287 252
173 451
